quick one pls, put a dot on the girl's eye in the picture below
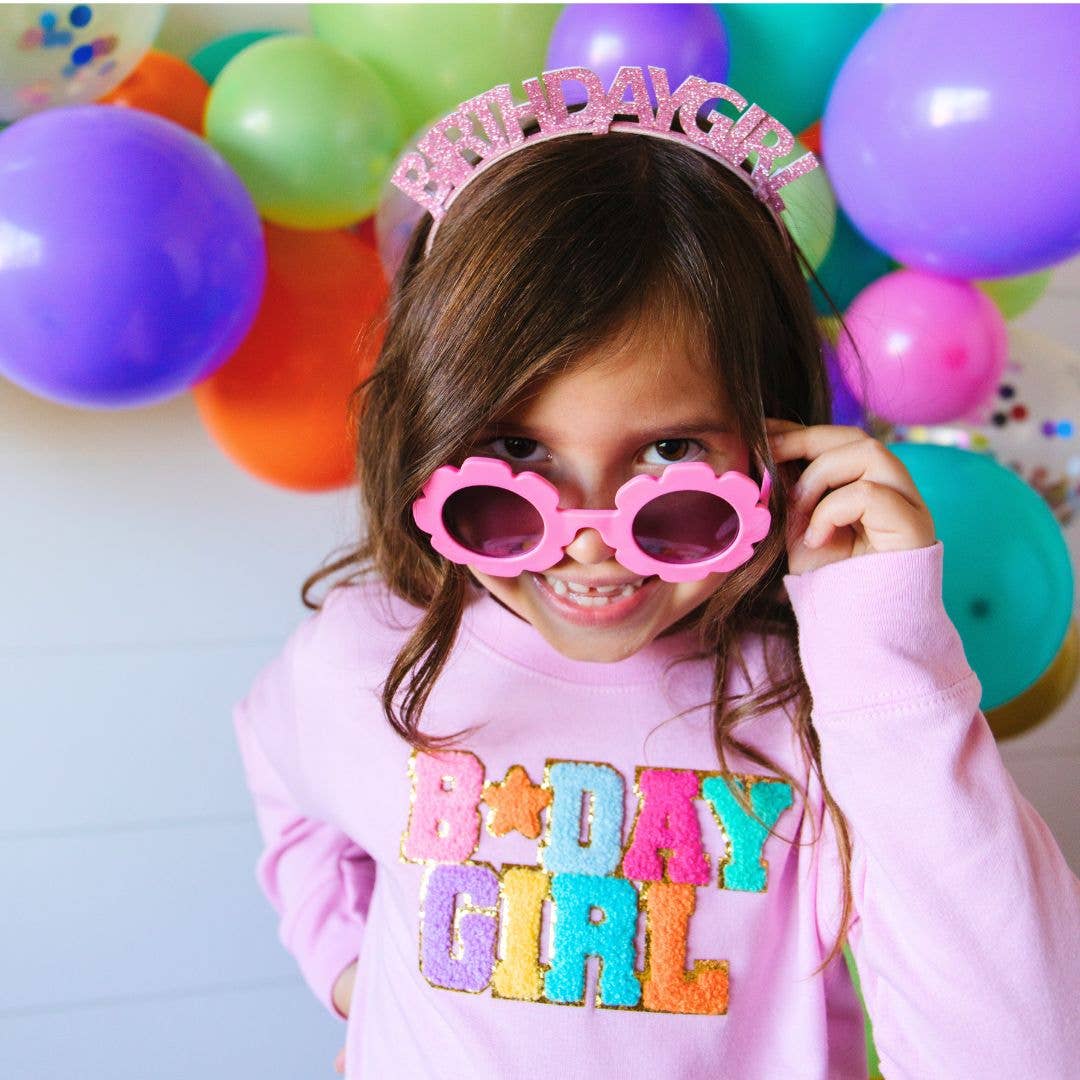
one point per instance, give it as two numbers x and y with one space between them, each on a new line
517 447
672 450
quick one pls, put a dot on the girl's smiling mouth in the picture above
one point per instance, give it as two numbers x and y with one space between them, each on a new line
593 608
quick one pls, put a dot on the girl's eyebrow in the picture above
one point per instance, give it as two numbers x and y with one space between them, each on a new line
705 425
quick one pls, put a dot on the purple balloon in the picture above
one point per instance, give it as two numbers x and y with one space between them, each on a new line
845 406
132 259
933 132
684 39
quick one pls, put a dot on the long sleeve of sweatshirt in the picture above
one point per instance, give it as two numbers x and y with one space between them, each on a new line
318 880
967 917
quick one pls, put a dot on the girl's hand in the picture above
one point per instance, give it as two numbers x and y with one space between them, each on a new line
873 504
342 995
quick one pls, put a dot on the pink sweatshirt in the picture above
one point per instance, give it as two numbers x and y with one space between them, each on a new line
573 890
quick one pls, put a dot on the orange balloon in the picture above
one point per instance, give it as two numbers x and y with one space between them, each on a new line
167 86
278 406
811 138
366 230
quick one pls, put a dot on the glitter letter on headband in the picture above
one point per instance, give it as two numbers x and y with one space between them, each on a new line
490 126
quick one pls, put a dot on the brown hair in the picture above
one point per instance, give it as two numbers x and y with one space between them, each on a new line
544 257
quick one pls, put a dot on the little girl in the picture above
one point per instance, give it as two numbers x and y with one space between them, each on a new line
613 734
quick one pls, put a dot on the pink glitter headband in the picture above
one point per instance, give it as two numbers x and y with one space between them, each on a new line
436 172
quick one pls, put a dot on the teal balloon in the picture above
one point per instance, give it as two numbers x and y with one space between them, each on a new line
210 59
1007 580
850 264
784 57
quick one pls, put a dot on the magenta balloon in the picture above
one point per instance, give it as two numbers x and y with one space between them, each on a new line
685 39
132 259
934 129
933 347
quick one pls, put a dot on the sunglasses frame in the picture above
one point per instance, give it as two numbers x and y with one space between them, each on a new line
561 526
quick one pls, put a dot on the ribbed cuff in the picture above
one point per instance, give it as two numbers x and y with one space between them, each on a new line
873 630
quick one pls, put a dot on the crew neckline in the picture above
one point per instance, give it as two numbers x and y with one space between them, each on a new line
517 640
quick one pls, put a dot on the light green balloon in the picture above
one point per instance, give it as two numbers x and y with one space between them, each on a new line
873 1062
1014 295
809 208
311 132
435 56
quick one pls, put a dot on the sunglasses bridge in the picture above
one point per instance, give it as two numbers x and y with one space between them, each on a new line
583 518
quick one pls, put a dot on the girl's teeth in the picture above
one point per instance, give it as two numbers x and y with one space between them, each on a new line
592 597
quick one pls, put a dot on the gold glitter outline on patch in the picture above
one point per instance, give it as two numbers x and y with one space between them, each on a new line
750 780
699 965
665 853
544 840
490 816
504 923
457 942
410 767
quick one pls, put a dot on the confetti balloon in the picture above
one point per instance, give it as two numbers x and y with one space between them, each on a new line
64 54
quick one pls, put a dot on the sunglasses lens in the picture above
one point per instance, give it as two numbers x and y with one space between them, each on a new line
686 526
492 521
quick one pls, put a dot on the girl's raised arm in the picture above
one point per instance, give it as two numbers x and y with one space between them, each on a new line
967 933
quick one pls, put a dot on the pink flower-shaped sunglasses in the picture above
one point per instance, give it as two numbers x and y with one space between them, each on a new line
682 525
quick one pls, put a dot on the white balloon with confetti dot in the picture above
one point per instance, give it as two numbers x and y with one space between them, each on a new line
1031 423
67 54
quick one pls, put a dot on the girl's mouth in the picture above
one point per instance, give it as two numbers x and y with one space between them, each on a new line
593 608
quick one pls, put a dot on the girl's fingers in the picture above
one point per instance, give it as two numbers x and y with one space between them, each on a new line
847 463
881 512
790 441
339 1062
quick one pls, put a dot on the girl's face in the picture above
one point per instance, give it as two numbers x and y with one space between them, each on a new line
632 407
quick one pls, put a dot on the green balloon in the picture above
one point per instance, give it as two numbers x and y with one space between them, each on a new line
210 59
1014 295
784 57
873 1062
435 56
809 207
312 133
1007 581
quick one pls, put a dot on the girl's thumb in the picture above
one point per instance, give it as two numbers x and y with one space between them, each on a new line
339 1062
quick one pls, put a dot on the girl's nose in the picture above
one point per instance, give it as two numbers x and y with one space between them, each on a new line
589 547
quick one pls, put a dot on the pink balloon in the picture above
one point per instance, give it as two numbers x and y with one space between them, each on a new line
933 347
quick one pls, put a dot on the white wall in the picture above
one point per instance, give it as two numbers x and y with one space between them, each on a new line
145 580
